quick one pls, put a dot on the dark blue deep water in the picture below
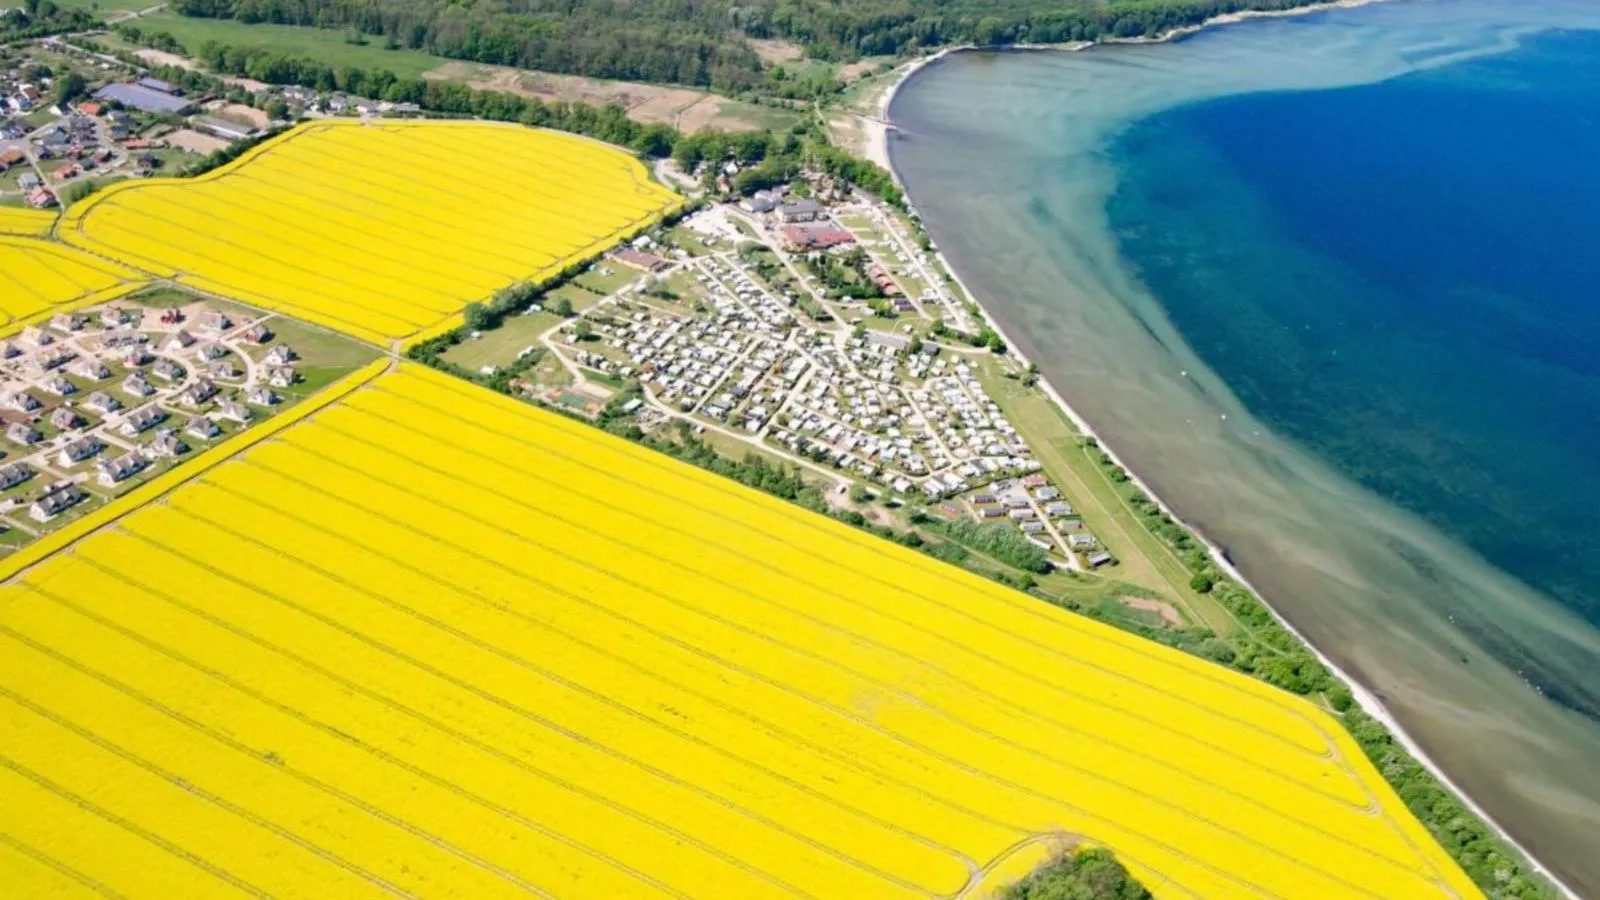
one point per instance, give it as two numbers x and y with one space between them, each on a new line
1404 277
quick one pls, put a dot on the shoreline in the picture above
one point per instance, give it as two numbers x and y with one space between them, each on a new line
878 125
878 129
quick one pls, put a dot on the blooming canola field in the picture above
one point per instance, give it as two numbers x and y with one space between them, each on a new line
38 277
432 642
382 229
26 222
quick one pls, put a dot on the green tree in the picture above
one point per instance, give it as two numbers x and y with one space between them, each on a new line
477 317
1092 874
70 87
563 308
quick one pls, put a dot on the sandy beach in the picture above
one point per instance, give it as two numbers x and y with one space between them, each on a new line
878 129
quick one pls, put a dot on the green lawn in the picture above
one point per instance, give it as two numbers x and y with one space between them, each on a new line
326 45
500 346
108 6
318 348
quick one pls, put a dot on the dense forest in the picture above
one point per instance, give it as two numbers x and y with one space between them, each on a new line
698 42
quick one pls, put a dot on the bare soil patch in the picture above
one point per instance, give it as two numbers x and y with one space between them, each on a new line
195 142
682 108
775 51
238 112
163 58
1165 610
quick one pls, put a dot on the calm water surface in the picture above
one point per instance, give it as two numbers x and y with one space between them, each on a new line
1329 283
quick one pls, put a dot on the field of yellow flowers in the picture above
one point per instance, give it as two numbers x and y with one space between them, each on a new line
27 222
381 230
37 276
432 642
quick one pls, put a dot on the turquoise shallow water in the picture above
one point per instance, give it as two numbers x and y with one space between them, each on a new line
1325 283
1402 277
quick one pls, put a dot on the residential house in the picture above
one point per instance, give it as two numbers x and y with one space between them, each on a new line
235 411
65 418
202 428
281 377
199 392
23 434
179 341
118 316
10 350
167 370
142 420
14 474
90 367
57 502
37 336
56 358
136 356
211 351
257 334
213 322
70 321
22 402
280 355
102 402
222 368
79 450
120 469
167 444
260 396
136 385
59 386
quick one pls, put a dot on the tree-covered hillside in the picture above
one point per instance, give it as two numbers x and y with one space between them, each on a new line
700 42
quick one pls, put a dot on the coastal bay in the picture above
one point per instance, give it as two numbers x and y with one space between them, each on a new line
1095 204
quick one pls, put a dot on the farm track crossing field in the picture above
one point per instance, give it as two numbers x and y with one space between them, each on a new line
380 230
433 642
37 277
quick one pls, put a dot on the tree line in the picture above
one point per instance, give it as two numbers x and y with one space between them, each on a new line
40 18
643 40
703 43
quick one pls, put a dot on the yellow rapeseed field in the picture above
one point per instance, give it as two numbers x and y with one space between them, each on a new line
431 642
36 277
381 230
27 222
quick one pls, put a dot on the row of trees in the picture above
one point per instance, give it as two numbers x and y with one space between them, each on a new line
643 40
702 44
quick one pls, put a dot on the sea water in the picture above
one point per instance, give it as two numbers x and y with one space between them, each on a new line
1332 284
1404 277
